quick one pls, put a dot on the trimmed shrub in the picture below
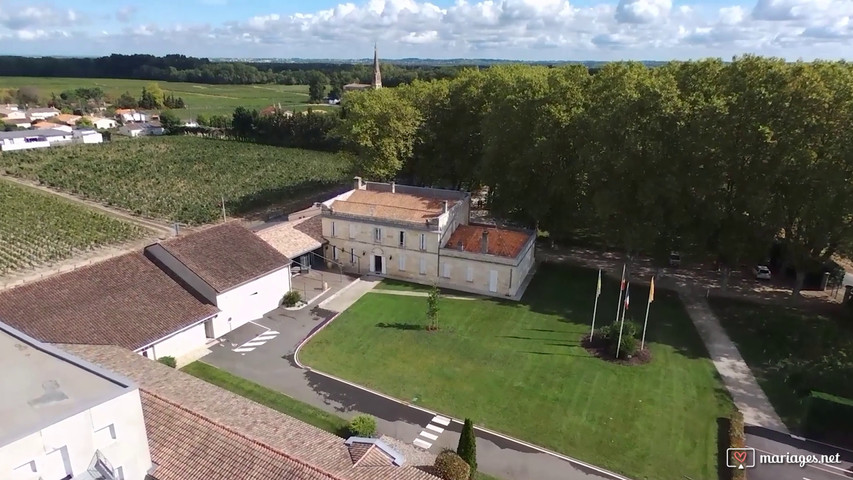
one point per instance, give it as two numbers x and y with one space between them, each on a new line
168 361
609 334
737 439
467 448
450 466
291 298
362 426
829 417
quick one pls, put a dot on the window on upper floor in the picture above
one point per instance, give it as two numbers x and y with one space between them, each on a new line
402 238
334 230
423 241
377 235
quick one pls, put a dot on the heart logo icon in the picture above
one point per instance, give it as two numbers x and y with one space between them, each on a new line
740 457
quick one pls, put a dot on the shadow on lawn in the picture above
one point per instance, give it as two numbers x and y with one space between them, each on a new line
401 326
558 353
569 293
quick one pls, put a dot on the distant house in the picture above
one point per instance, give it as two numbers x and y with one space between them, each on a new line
127 115
12 113
273 109
58 136
22 140
102 123
67 119
43 125
42 113
18 122
86 136
139 129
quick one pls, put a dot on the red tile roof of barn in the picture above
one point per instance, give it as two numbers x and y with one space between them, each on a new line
126 301
502 242
226 255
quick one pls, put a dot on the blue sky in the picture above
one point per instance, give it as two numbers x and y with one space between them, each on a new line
512 29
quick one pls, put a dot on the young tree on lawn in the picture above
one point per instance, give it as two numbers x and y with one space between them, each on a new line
432 308
467 448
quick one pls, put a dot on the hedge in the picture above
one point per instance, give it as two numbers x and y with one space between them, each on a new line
829 417
737 439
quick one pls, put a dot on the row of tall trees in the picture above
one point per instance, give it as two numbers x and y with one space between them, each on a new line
717 158
180 68
310 129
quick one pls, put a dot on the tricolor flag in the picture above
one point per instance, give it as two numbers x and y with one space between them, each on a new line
627 297
598 286
652 291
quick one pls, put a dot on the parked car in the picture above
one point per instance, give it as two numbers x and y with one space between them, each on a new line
674 259
761 272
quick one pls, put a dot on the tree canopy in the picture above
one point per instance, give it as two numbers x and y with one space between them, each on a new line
716 159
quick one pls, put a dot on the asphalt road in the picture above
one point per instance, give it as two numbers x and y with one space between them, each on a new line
769 442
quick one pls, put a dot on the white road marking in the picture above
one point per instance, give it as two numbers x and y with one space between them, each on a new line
257 341
428 435
802 439
441 420
420 443
434 428
241 349
258 324
254 343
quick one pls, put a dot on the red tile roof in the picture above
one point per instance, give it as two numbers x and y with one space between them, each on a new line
126 301
392 206
502 242
176 435
226 255
278 435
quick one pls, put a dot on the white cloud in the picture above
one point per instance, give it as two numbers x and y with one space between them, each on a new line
642 11
525 29
126 13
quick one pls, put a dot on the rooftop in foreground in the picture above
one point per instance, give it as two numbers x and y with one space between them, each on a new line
43 385
395 202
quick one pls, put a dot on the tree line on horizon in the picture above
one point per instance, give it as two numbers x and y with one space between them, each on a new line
180 68
718 159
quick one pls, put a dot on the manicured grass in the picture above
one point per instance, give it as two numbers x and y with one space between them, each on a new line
181 178
270 398
518 368
200 98
790 351
37 227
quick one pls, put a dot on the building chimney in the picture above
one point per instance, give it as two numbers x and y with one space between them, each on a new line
393 187
444 206
358 183
484 243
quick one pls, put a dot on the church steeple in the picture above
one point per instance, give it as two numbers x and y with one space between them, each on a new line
377 75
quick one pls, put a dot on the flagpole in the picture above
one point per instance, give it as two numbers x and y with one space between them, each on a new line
648 305
619 345
595 308
619 300
646 322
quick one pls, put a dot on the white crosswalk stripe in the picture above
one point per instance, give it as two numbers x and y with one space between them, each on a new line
441 420
434 428
428 435
256 342
420 443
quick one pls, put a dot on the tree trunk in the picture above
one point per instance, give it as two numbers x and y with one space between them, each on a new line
798 283
725 273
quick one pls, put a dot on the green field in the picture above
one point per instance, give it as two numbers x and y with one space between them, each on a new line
37 228
181 178
790 351
200 98
518 368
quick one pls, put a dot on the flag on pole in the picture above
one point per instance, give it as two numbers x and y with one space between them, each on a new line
627 297
652 291
598 286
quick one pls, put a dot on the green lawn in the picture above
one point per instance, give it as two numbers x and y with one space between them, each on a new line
200 98
790 351
518 368
270 398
